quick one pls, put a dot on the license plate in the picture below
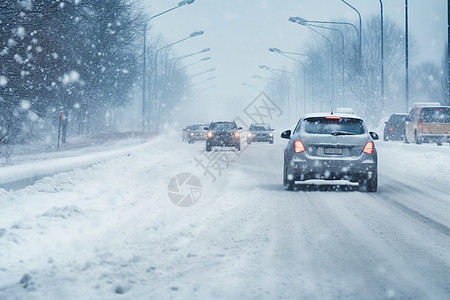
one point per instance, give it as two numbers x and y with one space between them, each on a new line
333 150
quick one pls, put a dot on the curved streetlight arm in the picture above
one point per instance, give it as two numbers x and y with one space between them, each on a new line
203 72
343 59
189 55
182 3
360 27
198 61
194 34
301 22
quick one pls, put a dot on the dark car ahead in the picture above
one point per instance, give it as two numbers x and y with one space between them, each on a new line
260 132
223 134
331 147
395 127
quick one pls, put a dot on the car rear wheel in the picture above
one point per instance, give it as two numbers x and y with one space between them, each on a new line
406 139
238 147
417 140
288 184
369 185
208 147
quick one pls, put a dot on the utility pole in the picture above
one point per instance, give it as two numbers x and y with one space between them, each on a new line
448 53
406 58
143 82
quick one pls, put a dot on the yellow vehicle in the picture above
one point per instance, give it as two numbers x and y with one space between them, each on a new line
428 124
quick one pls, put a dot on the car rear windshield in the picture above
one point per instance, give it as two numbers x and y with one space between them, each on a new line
334 125
222 126
398 119
260 127
435 114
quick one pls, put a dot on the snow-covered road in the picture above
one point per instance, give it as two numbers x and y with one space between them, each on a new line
111 231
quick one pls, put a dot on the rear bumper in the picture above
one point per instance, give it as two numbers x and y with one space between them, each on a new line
352 169
266 138
443 137
228 142
196 138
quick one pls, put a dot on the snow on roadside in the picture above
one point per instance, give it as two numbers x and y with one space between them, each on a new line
415 160
49 166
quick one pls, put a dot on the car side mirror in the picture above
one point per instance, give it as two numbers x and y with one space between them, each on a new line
374 136
286 134
240 128
273 129
206 128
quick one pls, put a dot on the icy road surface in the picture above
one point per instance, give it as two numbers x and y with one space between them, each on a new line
111 232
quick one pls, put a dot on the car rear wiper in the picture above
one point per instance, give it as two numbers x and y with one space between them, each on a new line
342 133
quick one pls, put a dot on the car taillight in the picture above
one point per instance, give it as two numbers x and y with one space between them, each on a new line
209 134
298 147
420 125
236 134
368 148
390 128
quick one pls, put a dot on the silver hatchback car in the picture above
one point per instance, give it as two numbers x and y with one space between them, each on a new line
331 147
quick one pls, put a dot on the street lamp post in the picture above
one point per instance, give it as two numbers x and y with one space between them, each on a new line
406 58
144 79
273 71
301 22
382 57
194 34
343 55
191 54
283 53
197 62
203 72
253 86
359 35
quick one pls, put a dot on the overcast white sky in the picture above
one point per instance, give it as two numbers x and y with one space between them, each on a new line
240 33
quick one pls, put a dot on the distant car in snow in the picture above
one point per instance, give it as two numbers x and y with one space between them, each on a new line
260 132
394 128
427 124
223 134
331 147
194 133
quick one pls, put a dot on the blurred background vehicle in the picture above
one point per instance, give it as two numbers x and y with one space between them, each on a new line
195 132
223 134
260 132
428 124
394 128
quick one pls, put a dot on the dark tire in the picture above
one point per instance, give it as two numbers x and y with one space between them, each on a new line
406 139
369 185
385 137
417 140
249 142
271 142
238 147
190 142
288 184
208 148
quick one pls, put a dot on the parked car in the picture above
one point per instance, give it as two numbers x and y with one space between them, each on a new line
195 133
260 132
331 147
428 124
395 127
223 134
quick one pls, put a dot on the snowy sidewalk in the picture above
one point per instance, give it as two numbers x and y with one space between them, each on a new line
79 153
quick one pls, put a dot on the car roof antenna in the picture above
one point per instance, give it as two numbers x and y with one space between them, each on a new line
331 106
